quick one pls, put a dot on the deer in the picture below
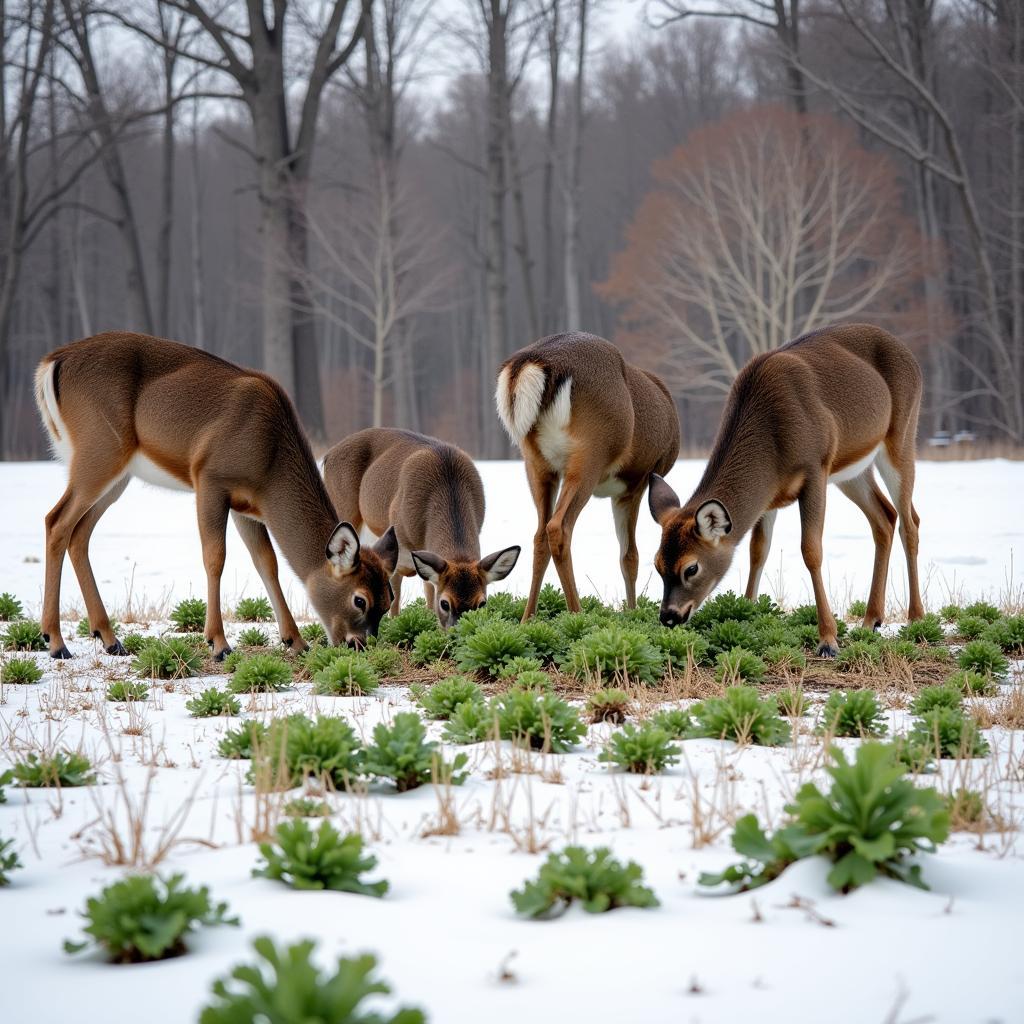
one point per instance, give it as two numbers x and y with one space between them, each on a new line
588 424
432 495
120 405
825 408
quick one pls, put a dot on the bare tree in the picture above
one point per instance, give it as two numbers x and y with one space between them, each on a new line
574 182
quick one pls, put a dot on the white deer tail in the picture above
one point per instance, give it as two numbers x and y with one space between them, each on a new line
519 403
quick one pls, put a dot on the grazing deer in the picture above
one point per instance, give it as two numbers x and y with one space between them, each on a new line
119 405
822 409
587 423
431 493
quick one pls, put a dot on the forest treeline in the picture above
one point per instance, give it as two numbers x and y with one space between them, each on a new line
376 201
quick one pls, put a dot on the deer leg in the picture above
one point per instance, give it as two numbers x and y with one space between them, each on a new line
625 511
78 551
760 545
865 493
257 540
812 524
430 595
543 486
897 469
212 507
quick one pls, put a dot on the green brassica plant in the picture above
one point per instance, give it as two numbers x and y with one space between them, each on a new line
856 713
313 633
238 744
134 642
546 639
538 720
608 705
947 732
10 608
644 750
738 665
254 609
785 658
84 629
348 675
948 695
189 615
127 690
674 721
724 636
535 679
62 769
429 646
440 700
858 656
384 659
1008 633
20 671
261 673
212 703
401 752
680 646
924 631
971 627
403 628
740 715
792 702
23 635
306 807
983 610
472 722
515 667
984 657
973 683
295 747
722 608
253 636
167 658
490 647
550 602
613 652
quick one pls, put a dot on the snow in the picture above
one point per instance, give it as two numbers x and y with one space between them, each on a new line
446 928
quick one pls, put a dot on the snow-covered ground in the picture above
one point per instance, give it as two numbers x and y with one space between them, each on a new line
445 934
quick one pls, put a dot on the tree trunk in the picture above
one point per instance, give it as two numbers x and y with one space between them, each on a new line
550 156
573 192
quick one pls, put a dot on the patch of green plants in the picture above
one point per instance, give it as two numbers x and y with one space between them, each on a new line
469 622
724 636
261 673
189 615
471 722
983 657
9 861
169 657
254 609
973 683
966 808
970 627
576 625
317 658
856 713
1008 633
402 629
429 646
803 615
62 769
238 744
857 610
20 671
807 637
547 641
722 608
348 675
983 610
212 703
306 807
538 720
792 702
491 647
948 695
869 823
323 859
785 658
534 679
24 635
950 612
10 608
679 646
503 604
550 602
516 667
146 917
440 700
863 634
401 752
738 665
296 747
613 652
643 750
947 732
313 633
674 721
253 636
927 630
594 878
134 642
894 650
740 715
858 656
126 690
285 986
384 659
608 705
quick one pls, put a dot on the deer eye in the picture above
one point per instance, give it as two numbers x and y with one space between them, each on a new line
445 605
690 571
359 602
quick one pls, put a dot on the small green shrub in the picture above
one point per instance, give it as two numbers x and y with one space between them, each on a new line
737 666
10 608
970 627
167 658
402 753
254 637
792 702
613 652
785 658
803 615
674 721
593 877
947 732
547 641
403 628
870 821
807 637
861 634
740 715
534 679
503 604
24 635
238 744
984 657
348 675
212 703
20 671
146 917
680 646
575 625
134 642
440 700
894 651
643 750
856 713
323 859
973 683
858 656
296 991
550 602
469 622
948 695
950 612
189 615
296 747
723 608
317 658
9 861
608 705
431 645
254 609
261 673
306 807
983 610
769 631
538 720
62 769
127 690
472 722
384 659
857 610
1008 633
491 647
516 667
724 636
924 631
313 633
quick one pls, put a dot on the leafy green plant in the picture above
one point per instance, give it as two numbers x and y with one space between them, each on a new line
9 861
858 656
927 630
593 877
861 634
973 683
261 673
984 657
127 690
402 629
785 658
506 606
722 608
10 608
325 748
1008 633
515 667
296 991
894 651
440 700
550 602
6 778
146 917
402 753
680 646
254 637
608 705
23 635
20 671
983 610
62 769
724 636
317 658
313 633
254 609
348 675
674 721
967 809
547 641
134 642
384 659
238 744
948 695
738 665
947 732
167 658
575 625
538 720
323 859
740 715
950 612
643 750
189 615
803 615
613 652
429 646
306 807
212 703
491 647
870 821
535 679
472 722
856 713
857 610
970 627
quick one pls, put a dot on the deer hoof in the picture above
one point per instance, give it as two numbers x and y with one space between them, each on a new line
117 649
221 655
61 654
827 651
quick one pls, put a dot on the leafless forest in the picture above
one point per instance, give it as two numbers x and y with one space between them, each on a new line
377 200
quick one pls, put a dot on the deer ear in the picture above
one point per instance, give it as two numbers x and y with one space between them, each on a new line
499 564
343 549
387 549
713 521
428 565
661 499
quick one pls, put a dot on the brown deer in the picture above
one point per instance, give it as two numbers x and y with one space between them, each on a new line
822 409
587 423
119 405
432 494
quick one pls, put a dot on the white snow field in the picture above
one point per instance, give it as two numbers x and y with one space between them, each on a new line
445 934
